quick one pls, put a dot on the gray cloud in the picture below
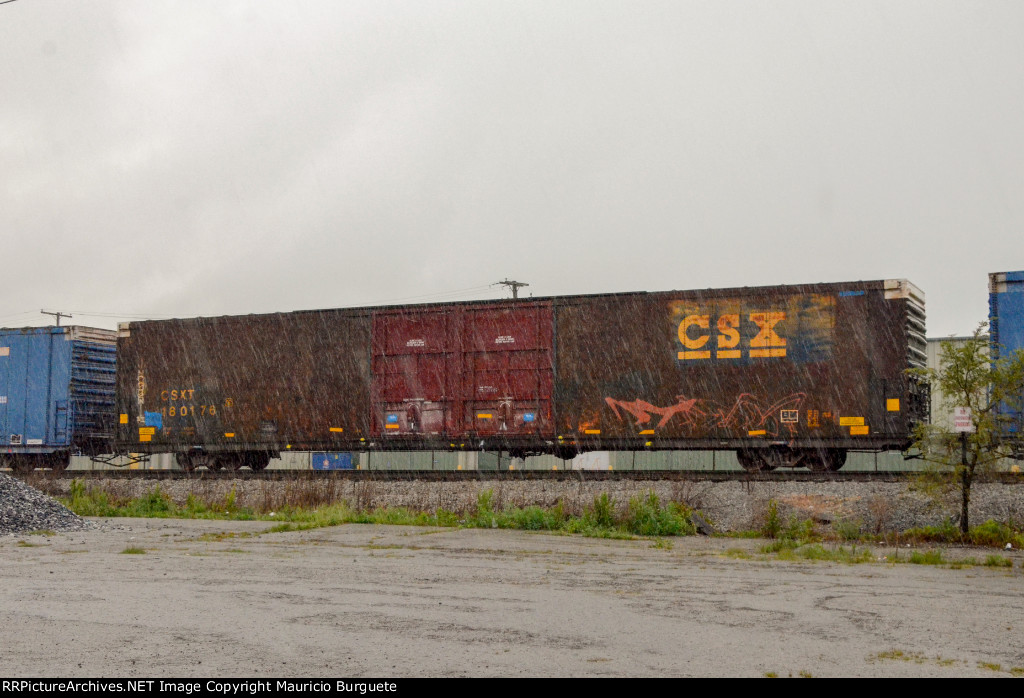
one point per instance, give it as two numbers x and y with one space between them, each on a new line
186 158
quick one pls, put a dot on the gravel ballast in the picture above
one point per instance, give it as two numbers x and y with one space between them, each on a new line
24 508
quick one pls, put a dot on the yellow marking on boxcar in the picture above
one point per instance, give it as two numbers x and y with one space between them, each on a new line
893 404
149 431
647 431
591 431
391 426
145 437
858 431
484 415
337 429
730 354
851 421
767 353
124 418
695 354
757 432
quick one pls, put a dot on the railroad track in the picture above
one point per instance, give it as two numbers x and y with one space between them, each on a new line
499 475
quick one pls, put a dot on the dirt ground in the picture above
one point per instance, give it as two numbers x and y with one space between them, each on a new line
213 599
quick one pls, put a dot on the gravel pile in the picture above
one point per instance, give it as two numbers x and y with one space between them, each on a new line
24 508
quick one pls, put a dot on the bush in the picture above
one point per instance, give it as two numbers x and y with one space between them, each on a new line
602 514
647 517
772 527
995 534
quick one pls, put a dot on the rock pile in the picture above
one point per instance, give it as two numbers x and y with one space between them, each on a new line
24 508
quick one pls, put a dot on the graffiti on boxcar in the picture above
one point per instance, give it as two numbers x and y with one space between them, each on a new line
687 409
747 412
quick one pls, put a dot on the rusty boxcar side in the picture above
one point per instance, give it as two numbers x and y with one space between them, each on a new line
787 375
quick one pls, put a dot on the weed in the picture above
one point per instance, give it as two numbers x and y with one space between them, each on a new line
26 544
771 675
990 665
1017 671
133 550
962 563
998 561
772 527
995 534
602 513
806 675
779 545
648 518
847 530
42 532
662 543
900 655
738 554
850 556
929 557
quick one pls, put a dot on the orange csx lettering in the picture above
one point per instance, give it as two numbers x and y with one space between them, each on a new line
766 343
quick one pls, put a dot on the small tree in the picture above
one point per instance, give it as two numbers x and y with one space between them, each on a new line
968 377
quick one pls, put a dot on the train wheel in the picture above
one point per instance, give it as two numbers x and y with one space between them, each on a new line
214 463
825 461
23 464
185 461
58 461
257 461
748 461
815 462
835 458
565 452
230 463
753 461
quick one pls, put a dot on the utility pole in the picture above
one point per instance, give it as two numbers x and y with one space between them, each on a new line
514 285
56 315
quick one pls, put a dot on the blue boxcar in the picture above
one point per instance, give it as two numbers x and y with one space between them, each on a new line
332 461
56 394
1006 327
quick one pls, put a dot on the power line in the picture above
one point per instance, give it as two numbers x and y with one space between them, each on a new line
514 285
56 314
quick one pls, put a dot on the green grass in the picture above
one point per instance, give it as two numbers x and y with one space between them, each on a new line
928 557
992 534
997 561
42 532
900 655
26 544
643 516
133 550
786 549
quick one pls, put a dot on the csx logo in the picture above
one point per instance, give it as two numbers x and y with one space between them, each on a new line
695 335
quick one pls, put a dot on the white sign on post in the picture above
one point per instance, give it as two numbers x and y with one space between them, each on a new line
962 420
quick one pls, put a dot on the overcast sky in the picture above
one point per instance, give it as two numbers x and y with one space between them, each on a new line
174 159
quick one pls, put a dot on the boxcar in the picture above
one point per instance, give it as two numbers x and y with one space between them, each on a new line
56 394
784 375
